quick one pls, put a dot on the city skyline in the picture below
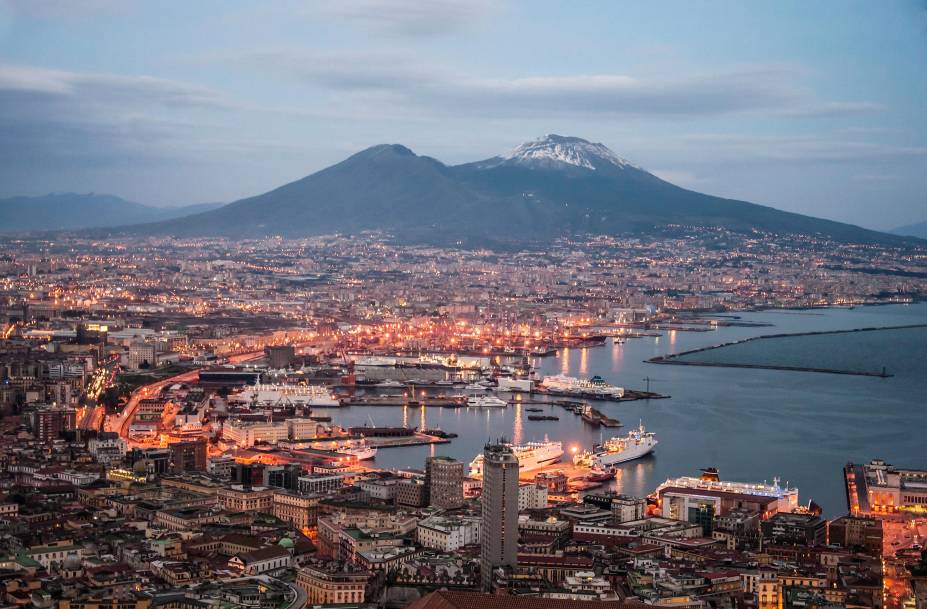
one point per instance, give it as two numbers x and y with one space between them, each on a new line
529 305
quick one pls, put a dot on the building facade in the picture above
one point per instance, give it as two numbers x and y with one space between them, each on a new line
444 482
499 525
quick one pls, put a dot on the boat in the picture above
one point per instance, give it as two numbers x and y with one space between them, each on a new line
299 395
599 475
361 450
534 409
787 496
475 387
376 360
486 401
390 383
590 417
439 433
531 456
596 387
542 417
320 419
613 451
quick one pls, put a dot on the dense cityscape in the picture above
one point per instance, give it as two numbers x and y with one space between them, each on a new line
463 304
172 437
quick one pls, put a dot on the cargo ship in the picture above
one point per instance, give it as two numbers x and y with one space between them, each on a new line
531 456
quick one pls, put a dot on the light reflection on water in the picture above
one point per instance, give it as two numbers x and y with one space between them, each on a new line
751 424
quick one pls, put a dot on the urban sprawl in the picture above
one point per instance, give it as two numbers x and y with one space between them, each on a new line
161 443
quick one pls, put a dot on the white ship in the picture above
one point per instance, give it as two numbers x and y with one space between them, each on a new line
596 386
361 450
376 360
531 456
485 401
613 451
304 395
788 497
391 383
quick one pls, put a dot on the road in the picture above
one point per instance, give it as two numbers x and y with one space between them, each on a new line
122 423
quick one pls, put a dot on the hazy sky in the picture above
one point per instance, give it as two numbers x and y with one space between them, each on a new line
817 107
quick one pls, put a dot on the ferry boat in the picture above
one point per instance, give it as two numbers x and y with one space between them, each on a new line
613 451
570 385
787 496
531 456
485 401
305 395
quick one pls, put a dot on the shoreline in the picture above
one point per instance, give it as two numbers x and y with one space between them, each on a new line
673 358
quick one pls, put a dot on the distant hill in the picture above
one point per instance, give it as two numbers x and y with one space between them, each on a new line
71 211
544 188
912 230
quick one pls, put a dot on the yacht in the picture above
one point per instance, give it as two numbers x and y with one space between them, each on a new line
361 450
486 401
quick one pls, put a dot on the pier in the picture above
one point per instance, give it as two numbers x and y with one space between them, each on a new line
674 358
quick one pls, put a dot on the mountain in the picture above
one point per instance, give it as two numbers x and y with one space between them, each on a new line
71 211
918 230
548 187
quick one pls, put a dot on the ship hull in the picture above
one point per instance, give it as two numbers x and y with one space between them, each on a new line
612 459
551 455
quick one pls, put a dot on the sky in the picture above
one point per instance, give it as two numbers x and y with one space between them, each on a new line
814 107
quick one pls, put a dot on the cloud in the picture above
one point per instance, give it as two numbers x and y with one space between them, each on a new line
338 70
412 83
793 149
409 17
875 177
110 89
681 177
63 119
62 9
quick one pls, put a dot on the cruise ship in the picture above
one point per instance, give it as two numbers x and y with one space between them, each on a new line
305 395
613 451
570 385
531 456
485 401
788 497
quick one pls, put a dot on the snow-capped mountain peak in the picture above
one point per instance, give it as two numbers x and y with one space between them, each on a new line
552 150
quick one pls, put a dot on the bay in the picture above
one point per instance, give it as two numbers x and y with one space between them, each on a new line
752 424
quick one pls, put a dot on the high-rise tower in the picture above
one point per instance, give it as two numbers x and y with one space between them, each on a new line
499 527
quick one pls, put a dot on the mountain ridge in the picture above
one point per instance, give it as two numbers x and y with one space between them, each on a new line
549 187
77 211
918 229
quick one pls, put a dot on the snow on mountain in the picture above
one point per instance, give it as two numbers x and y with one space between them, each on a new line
551 150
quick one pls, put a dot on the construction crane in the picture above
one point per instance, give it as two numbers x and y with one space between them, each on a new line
647 380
